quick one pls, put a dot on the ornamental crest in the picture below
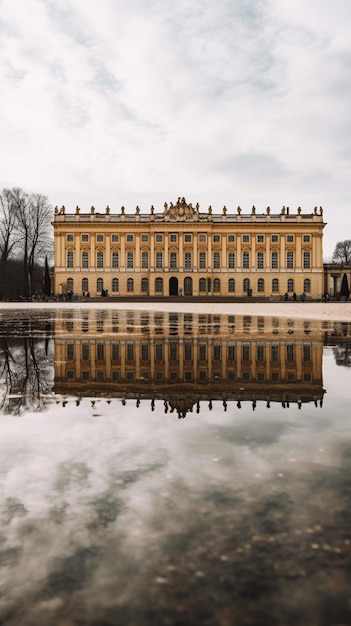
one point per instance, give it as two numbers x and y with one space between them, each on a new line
179 211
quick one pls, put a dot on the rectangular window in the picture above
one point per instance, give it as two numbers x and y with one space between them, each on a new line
173 260
306 238
173 351
216 352
85 352
202 260
260 238
216 260
187 261
187 238
99 238
144 238
158 238
70 238
260 353
246 353
188 352
246 238
130 352
216 239
290 353
290 238
231 260
202 238
115 352
144 260
85 259
115 259
130 260
130 238
144 352
114 238
159 260
275 354
173 238
100 351
306 260
306 353
202 352
290 260
231 353
159 352
70 351
246 260
85 238
70 258
275 260
275 238
231 238
260 260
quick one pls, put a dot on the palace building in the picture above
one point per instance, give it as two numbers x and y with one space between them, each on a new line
183 251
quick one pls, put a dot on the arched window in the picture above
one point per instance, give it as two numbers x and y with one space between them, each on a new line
115 284
216 285
85 259
99 259
231 260
275 285
246 285
70 258
290 285
306 260
290 260
307 285
231 285
275 260
260 260
130 285
144 285
260 285
202 285
99 285
115 259
85 284
70 284
159 285
246 260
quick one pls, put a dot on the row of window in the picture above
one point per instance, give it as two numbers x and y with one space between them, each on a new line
205 285
204 354
188 260
188 376
188 238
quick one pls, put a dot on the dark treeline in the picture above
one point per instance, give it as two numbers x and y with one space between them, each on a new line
25 243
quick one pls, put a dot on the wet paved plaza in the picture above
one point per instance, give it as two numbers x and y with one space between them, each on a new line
174 468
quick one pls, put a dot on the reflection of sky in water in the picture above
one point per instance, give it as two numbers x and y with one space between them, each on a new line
114 514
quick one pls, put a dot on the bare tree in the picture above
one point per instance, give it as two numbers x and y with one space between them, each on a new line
7 237
31 215
342 252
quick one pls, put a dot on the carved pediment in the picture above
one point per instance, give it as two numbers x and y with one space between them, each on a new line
180 211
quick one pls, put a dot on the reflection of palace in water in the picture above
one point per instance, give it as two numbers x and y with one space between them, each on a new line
184 359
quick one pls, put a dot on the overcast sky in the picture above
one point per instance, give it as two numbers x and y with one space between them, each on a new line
127 102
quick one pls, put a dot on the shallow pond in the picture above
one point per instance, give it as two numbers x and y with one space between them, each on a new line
172 468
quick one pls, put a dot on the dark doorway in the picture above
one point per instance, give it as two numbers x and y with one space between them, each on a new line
188 286
173 286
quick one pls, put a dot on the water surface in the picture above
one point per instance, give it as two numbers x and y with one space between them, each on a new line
171 468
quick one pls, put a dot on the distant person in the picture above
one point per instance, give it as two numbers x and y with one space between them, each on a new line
286 296
294 296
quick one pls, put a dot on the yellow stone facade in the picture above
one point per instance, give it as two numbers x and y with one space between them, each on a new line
183 251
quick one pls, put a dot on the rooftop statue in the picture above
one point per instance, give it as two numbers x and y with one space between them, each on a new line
179 211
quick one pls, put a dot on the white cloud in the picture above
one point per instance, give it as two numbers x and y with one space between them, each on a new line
139 102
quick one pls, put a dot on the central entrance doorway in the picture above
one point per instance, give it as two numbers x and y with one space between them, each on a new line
173 286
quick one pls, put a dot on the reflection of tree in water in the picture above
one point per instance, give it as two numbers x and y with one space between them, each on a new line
26 374
342 354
